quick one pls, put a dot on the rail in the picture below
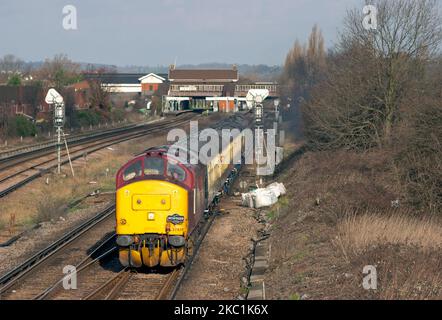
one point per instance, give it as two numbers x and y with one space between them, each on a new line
11 278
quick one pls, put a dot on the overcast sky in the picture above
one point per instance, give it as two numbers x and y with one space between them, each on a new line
156 32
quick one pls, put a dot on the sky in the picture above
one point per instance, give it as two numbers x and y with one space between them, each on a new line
160 32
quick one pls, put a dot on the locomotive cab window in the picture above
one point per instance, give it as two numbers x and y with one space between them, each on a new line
153 166
175 171
133 171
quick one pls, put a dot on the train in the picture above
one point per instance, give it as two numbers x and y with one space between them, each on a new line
162 201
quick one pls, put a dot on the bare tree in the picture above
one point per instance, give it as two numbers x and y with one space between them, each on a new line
304 67
60 71
12 64
408 34
419 141
99 95
371 75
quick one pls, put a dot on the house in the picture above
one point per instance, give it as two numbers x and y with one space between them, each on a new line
128 83
201 88
81 92
150 84
117 82
25 100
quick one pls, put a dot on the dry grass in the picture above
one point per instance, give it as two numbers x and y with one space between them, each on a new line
403 272
49 208
358 233
341 181
352 225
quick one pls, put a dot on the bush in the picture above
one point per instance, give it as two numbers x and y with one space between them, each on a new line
14 80
49 208
87 118
420 161
21 126
118 114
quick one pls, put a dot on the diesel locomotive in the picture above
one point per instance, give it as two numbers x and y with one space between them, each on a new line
161 201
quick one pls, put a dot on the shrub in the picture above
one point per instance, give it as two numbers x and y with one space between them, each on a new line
14 80
117 114
420 162
49 208
88 117
21 126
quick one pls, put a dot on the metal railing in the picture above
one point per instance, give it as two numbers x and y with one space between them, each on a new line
197 88
273 88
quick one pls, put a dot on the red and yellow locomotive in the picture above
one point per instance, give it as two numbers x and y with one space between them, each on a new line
160 201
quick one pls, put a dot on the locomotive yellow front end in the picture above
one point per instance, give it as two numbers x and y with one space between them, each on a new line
151 223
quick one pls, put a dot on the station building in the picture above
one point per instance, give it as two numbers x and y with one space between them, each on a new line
217 89
182 89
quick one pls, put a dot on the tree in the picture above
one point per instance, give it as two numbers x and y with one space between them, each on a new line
14 80
11 64
4 121
304 67
408 34
371 75
99 96
418 141
60 71
342 110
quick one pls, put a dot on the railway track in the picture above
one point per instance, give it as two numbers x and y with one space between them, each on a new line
17 153
20 170
163 284
78 248
129 285
99 276
90 248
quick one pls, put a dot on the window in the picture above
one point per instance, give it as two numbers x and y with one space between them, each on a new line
133 171
153 166
175 171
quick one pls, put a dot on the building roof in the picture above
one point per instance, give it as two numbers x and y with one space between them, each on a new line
152 75
218 75
26 94
82 85
117 78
